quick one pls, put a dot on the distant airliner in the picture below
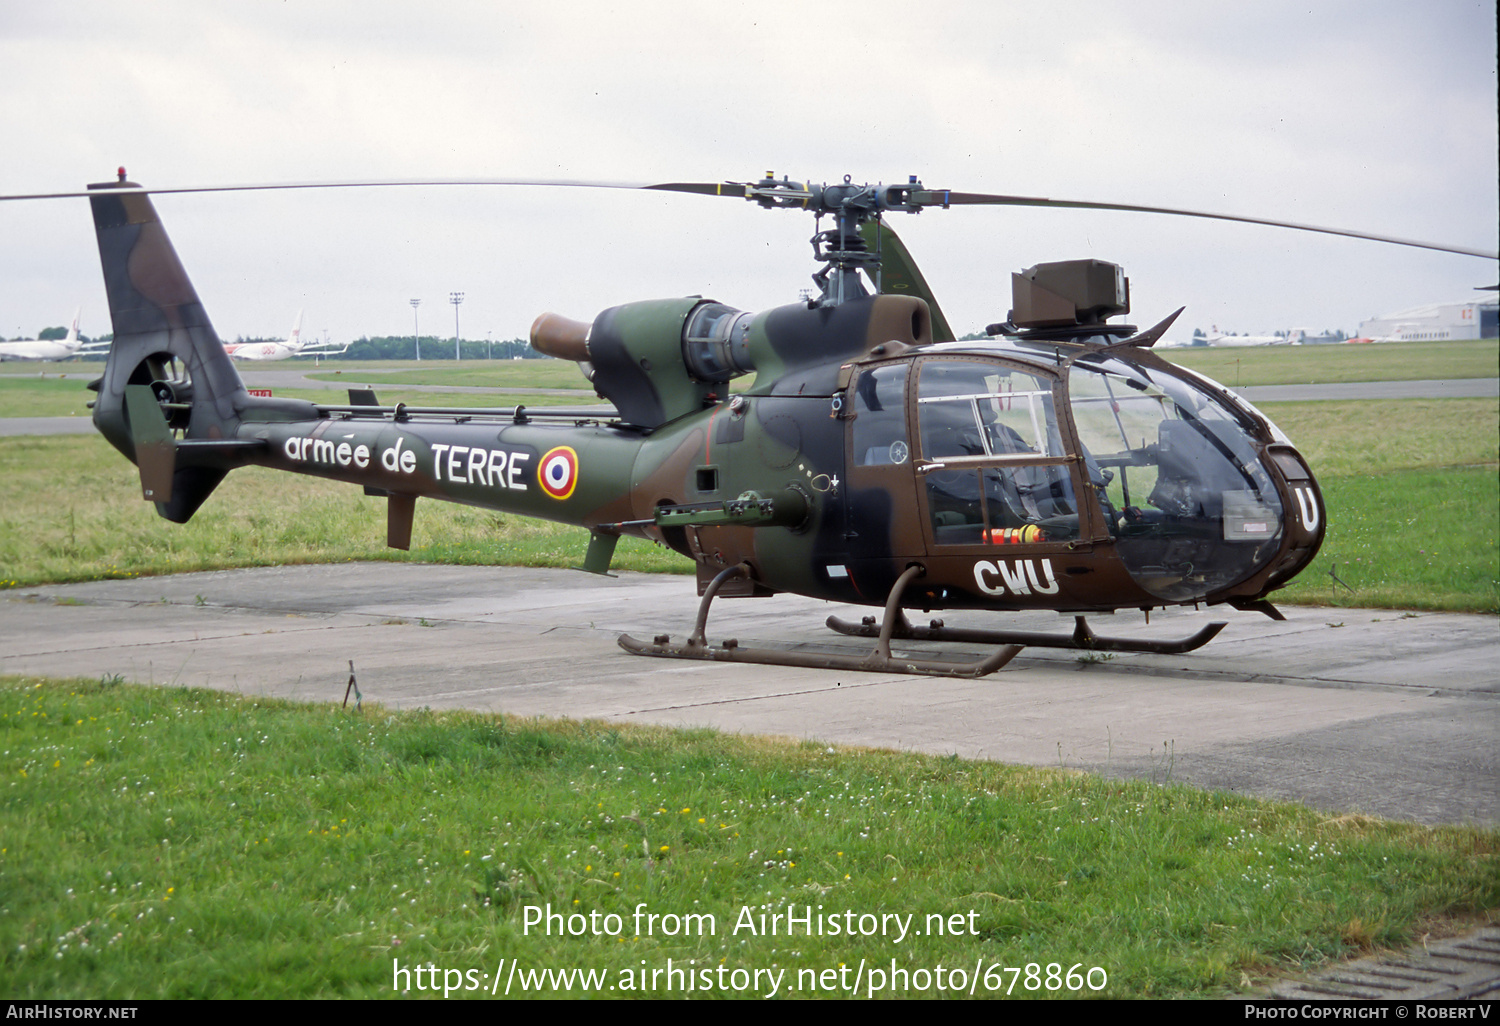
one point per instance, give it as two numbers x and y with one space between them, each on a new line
1215 338
293 346
48 349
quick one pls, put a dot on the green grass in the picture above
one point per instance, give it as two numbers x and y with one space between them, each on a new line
66 394
1362 438
486 373
1413 502
1327 364
413 397
55 394
72 511
171 843
1412 539
500 374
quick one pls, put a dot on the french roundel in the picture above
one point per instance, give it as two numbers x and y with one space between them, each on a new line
558 472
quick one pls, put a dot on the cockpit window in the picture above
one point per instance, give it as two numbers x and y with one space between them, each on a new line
1178 474
985 409
994 465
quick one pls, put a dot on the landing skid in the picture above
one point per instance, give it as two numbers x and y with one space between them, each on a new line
878 661
1082 637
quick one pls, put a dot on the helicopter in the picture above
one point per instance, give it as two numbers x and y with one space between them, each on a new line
874 459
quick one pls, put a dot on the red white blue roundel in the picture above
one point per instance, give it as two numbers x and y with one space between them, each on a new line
558 472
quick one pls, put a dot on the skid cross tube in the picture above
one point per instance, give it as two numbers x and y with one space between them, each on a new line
1082 637
878 661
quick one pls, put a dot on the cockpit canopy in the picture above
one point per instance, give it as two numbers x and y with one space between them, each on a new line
1179 474
1139 454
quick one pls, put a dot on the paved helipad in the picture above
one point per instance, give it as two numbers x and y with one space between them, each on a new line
1372 711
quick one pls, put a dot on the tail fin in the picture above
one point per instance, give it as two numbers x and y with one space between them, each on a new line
294 340
157 319
73 331
163 341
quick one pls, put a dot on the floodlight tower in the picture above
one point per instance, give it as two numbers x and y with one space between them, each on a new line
455 298
415 331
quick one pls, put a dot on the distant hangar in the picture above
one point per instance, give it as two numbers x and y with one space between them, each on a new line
1474 319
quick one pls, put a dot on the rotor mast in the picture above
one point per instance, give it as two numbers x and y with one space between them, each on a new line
841 249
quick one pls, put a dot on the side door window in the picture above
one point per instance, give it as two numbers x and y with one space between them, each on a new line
992 463
879 430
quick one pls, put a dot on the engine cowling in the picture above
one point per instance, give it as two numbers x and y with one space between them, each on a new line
662 359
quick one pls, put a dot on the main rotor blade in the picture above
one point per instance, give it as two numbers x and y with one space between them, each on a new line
380 183
900 275
771 192
989 199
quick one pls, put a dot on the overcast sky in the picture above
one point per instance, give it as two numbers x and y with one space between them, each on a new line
1369 114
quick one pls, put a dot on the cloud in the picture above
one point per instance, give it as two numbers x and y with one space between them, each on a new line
1377 116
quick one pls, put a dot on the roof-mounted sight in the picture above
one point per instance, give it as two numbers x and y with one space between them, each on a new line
1068 293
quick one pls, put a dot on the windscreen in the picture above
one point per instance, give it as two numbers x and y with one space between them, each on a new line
1178 474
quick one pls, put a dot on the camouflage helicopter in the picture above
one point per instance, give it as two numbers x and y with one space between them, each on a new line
1058 464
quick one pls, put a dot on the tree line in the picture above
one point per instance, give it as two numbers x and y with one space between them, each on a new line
404 347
